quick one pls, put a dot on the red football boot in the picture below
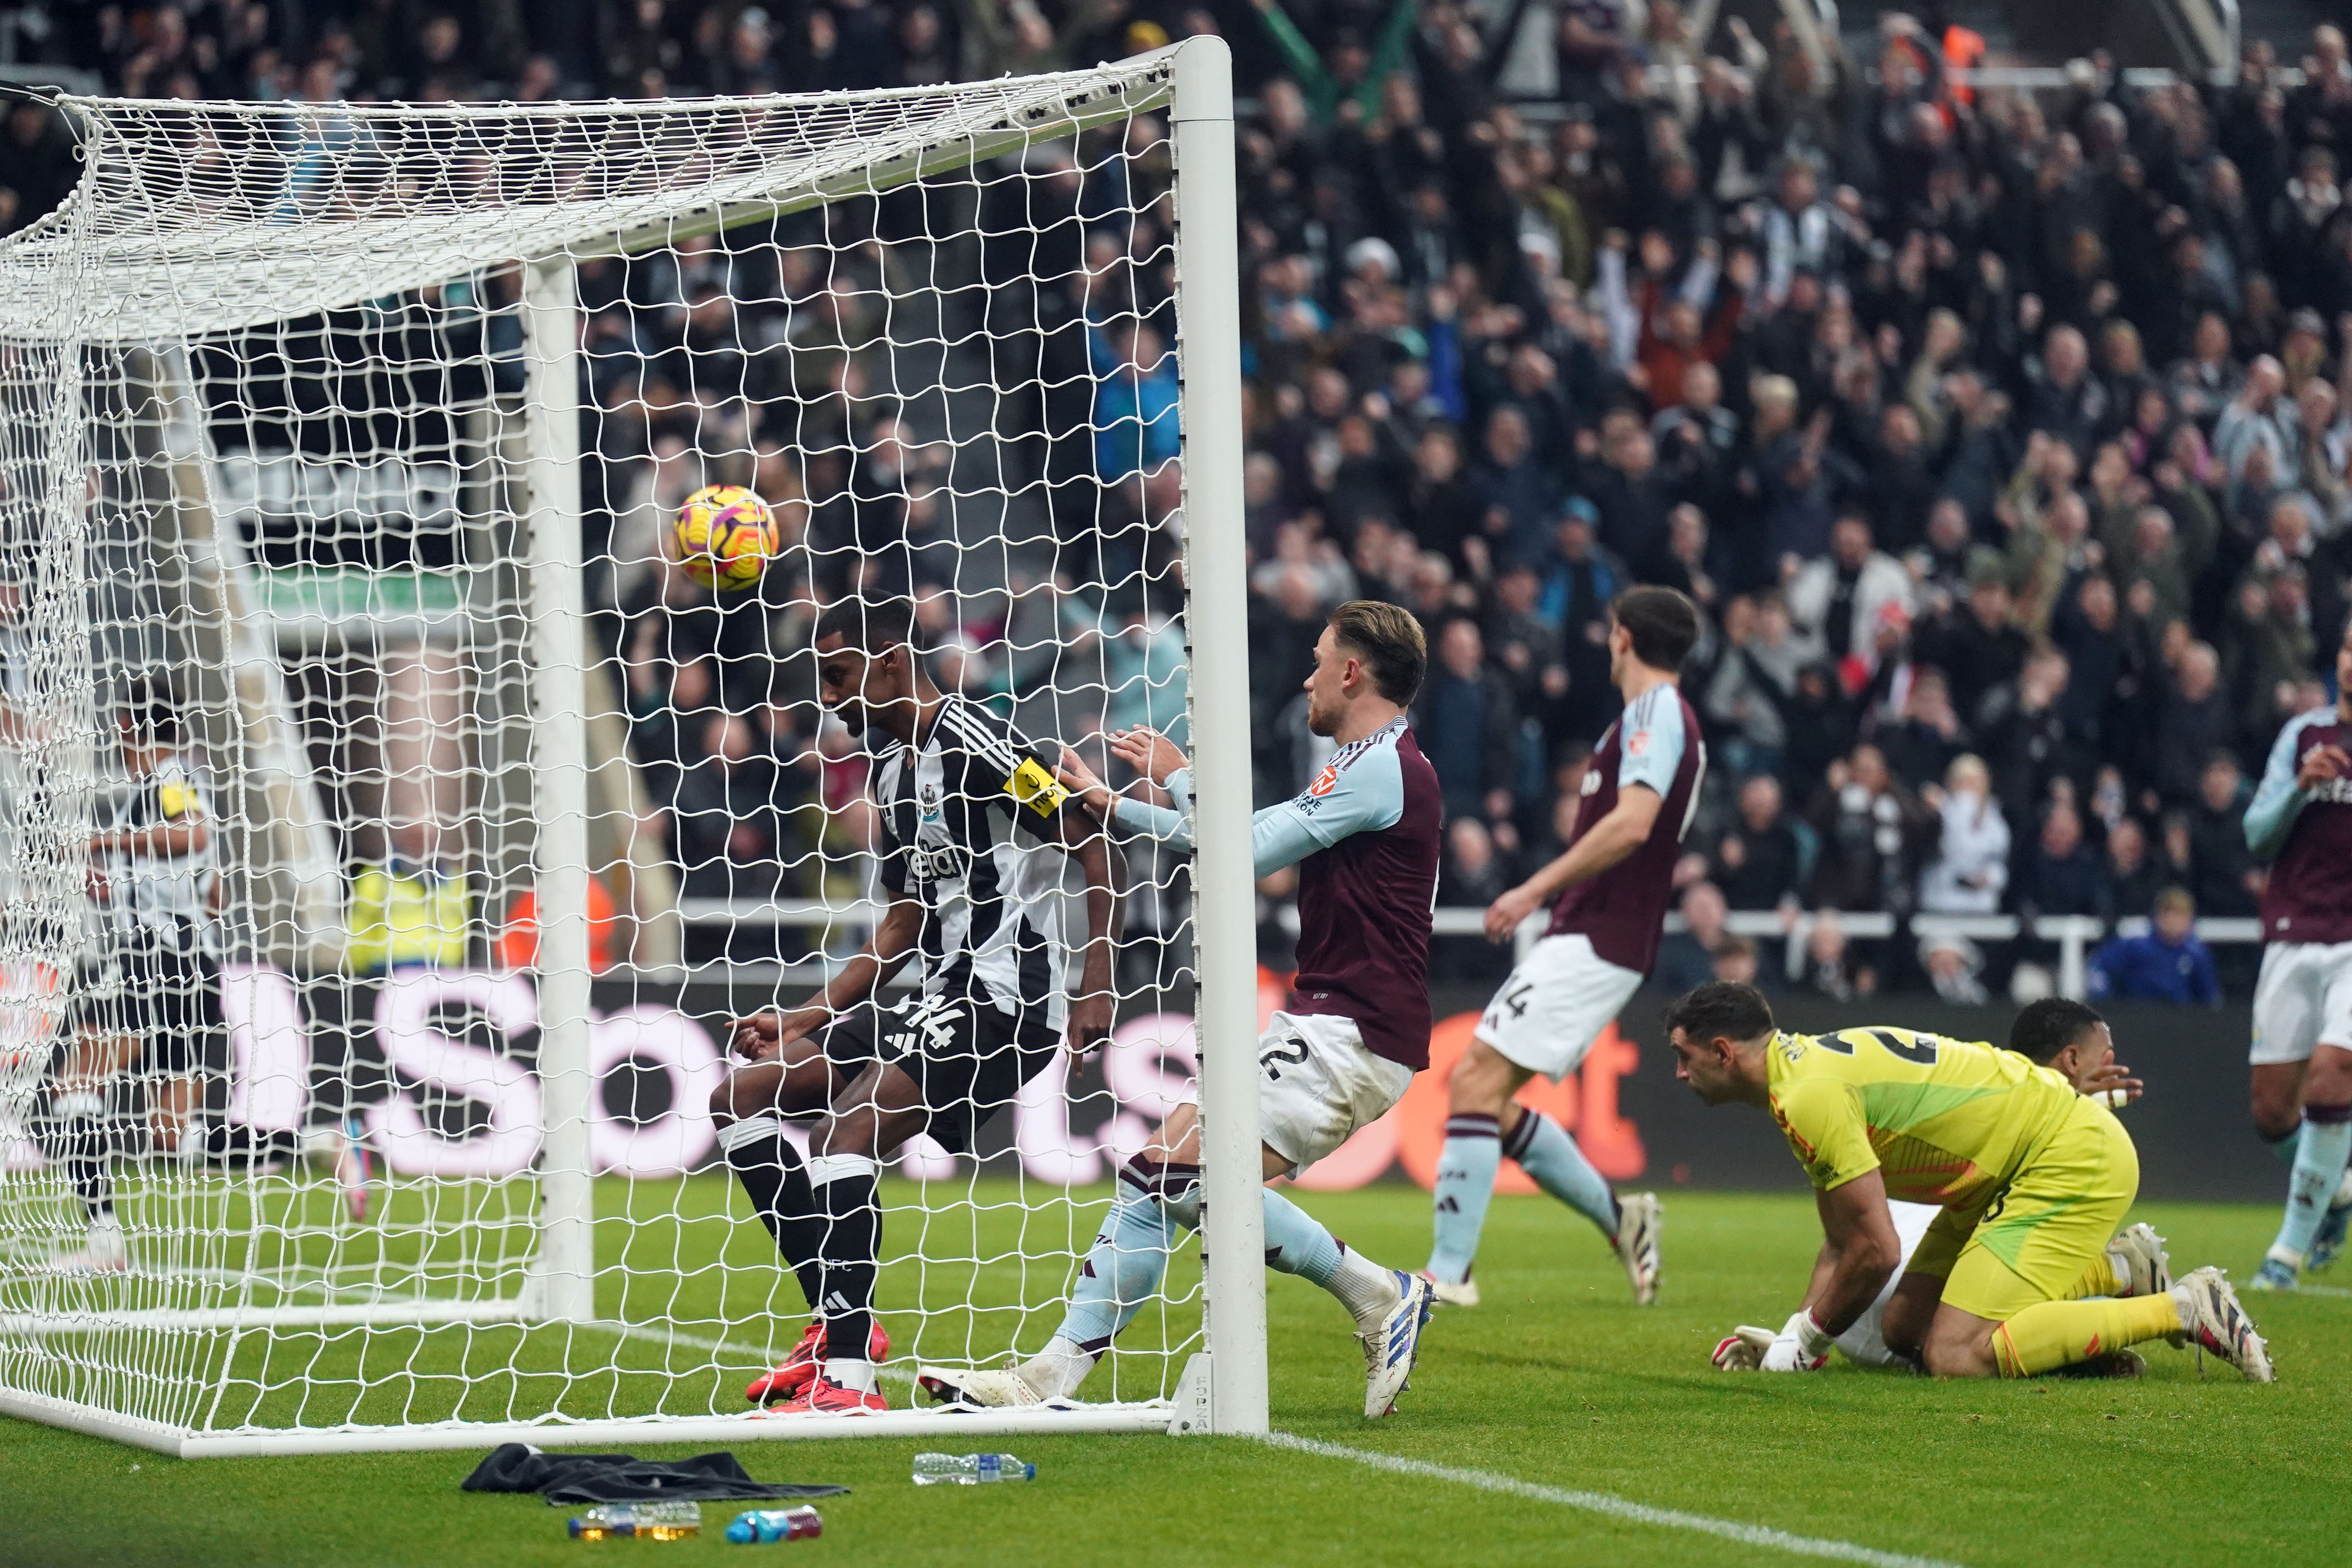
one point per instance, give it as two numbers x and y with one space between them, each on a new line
792 1374
826 1397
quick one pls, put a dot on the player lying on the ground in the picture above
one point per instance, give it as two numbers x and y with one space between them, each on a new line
974 831
2300 819
2032 1177
1364 838
2071 1041
1610 891
149 1003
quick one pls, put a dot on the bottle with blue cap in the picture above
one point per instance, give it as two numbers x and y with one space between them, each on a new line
971 1469
761 1525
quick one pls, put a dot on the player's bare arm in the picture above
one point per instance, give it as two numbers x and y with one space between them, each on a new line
1091 1008
762 1036
1860 1248
1608 841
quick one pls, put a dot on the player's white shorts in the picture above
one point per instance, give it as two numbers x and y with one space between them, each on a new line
2303 999
1317 1084
1866 1340
1555 1004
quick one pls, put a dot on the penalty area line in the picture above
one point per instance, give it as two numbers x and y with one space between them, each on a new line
1611 1507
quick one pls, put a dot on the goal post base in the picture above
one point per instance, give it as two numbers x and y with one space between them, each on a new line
1155 1416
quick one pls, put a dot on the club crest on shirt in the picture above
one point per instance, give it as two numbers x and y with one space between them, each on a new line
1637 742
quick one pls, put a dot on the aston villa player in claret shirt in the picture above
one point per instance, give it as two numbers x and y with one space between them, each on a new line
1609 893
2301 821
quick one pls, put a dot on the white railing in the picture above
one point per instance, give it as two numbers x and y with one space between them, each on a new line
2074 936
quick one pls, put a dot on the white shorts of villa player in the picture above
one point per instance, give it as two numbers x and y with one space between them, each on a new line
1317 1084
2302 1000
1555 1004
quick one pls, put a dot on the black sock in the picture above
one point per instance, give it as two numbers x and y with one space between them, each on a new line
853 1241
83 1142
234 1143
775 1179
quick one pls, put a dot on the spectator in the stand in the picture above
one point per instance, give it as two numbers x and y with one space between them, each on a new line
1765 857
1514 489
1830 968
1686 957
1871 825
2195 722
1975 644
1924 739
1970 868
1469 724
2063 877
2229 884
1839 598
1736 964
1472 876
1953 966
2133 877
2169 962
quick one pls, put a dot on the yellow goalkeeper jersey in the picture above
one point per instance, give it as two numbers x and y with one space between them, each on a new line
1947 1122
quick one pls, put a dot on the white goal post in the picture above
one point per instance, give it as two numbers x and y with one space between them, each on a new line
339 448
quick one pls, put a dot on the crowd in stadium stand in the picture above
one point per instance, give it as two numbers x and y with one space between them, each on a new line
2001 437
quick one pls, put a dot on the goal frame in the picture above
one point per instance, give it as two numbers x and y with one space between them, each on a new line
1222 1388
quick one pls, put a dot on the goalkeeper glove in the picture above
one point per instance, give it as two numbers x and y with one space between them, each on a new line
1743 1349
1801 1346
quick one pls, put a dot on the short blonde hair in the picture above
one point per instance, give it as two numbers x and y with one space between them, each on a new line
1390 640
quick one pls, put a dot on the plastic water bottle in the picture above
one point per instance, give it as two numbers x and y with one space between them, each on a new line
650 1520
764 1524
971 1469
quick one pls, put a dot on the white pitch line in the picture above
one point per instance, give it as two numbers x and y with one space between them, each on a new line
2323 1290
1613 1507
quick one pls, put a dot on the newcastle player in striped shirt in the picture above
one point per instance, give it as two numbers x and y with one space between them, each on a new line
976 836
1364 838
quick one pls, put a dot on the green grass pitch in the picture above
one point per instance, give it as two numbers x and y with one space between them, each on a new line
1557 1380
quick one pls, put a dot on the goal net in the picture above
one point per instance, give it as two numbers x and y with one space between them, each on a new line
391 822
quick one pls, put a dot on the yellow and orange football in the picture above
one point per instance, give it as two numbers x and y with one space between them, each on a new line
726 537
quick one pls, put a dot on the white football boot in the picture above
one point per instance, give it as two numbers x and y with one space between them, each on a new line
1450 1294
2211 1319
977 1388
2138 1255
1391 1349
102 1251
1640 1219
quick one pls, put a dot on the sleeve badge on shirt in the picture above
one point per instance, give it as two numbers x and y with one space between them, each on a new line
1325 782
1637 742
1035 788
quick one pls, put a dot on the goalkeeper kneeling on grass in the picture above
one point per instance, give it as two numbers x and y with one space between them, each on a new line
2015 1278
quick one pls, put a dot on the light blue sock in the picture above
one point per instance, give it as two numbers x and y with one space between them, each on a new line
2319 1167
1298 1243
1465 1185
1123 1268
2283 1150
1545 1152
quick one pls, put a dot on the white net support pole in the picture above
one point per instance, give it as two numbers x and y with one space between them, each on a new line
1209 322
563 1273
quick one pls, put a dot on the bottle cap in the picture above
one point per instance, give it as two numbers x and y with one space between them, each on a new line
740 1532
1028 1472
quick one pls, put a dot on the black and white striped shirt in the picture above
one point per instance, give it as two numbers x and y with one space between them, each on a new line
971 826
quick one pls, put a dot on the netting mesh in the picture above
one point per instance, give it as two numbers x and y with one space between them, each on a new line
273 721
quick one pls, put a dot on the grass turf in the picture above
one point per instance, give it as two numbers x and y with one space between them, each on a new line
1555 1380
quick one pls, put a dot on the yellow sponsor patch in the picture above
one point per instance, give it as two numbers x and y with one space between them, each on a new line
174 799
1035 788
